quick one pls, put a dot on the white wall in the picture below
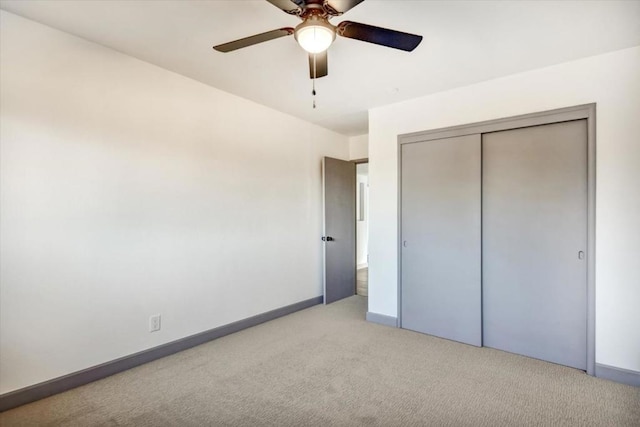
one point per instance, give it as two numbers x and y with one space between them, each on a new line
359 147
127 190
362 227
613 82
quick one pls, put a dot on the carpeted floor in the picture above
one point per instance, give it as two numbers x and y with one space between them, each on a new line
326 366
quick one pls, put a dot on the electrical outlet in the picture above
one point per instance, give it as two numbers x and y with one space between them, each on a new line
154 323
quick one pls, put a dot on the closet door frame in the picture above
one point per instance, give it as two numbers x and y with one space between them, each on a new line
586 111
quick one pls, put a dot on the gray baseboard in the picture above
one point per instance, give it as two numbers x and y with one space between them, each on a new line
382 319
76 379
618 375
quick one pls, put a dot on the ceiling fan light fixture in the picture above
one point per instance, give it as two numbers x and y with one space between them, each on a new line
315 35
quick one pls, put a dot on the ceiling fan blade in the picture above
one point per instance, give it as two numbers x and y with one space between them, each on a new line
289 6
250 41
320 67
342 6
378 35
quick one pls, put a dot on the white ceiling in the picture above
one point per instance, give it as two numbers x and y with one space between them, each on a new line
464 42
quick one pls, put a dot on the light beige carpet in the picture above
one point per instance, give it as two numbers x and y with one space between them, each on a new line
326 366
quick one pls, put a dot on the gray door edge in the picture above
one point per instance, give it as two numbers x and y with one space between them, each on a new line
578 112
324 233
399 234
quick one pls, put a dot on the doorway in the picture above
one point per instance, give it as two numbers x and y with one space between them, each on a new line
362 229
345 194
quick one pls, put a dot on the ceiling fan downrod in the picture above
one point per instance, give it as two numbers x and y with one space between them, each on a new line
313 84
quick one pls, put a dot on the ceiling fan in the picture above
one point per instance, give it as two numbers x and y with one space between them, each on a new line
315 34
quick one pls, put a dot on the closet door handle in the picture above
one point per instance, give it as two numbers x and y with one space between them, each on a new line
580 255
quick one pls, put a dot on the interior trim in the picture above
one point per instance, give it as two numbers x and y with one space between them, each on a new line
508 123
58 385
619 375
382 319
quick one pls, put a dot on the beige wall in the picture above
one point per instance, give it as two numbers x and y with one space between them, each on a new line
359 147
127 190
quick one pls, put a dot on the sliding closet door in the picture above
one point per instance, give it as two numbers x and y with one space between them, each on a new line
534 208
440 293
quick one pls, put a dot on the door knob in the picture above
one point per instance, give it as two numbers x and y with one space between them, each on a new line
327 238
